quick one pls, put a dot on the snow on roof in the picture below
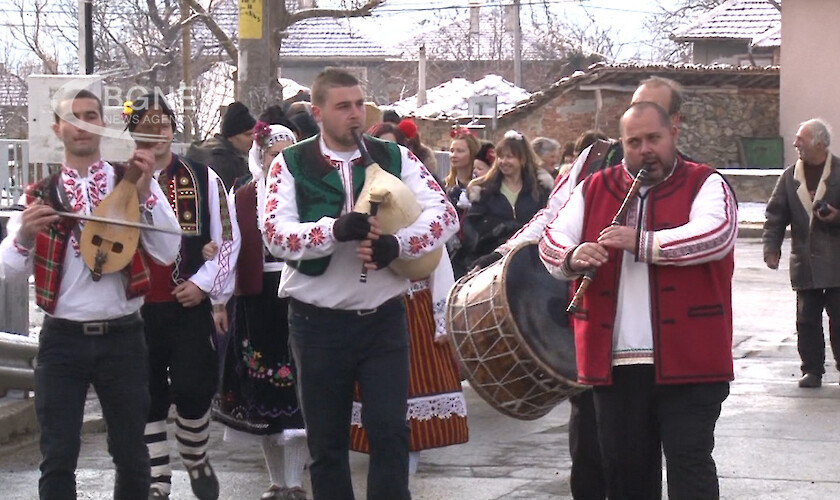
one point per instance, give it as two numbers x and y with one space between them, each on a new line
450 99
331 38
733 19
770 38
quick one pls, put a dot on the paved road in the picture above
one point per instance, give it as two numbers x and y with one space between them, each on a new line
774 440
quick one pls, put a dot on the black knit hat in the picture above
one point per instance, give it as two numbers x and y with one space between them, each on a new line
237 119
142 105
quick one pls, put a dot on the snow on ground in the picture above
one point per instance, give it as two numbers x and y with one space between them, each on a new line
751 212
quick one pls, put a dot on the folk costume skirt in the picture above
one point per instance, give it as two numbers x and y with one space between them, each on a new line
257 394
436 407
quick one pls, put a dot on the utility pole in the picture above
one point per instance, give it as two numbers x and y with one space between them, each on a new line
517 46
86 37
259 46
186 59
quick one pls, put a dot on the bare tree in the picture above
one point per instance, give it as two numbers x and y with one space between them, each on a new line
554 46
668 19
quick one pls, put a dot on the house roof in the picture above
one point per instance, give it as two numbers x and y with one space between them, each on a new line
770 38
450 99
629 75
732 20
316 38
330 38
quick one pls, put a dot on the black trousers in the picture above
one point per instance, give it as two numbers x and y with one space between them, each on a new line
809 327
587 477
638 420
115 363
183 367
333 350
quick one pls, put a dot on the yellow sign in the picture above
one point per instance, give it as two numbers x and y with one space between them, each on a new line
250 18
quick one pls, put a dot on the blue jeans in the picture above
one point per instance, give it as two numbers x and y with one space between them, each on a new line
116 364
333 350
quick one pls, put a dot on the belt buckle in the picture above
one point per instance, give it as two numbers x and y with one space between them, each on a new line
366 312
95 328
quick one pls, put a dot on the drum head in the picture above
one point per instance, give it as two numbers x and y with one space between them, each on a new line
538 304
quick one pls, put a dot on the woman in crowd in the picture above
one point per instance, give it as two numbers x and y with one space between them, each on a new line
462 150
506 198
257 400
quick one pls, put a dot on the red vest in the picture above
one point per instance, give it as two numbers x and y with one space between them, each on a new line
691 306
249 265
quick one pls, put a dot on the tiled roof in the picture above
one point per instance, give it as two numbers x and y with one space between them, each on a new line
630 74
733 19
330 38
450 99
317 38
770 38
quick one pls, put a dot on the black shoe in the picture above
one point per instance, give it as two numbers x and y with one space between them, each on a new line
203 480
811 381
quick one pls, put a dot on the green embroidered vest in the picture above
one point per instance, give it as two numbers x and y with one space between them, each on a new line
318 188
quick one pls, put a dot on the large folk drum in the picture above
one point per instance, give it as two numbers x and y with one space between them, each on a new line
509 327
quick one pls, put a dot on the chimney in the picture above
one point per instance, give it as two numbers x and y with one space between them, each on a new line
421 74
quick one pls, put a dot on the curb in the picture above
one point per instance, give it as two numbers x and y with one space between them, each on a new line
19 426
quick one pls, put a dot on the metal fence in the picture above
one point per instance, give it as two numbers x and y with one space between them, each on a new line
15 170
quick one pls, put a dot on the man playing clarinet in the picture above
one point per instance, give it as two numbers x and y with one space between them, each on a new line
654 331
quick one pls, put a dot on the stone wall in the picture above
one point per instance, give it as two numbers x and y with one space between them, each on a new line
713 120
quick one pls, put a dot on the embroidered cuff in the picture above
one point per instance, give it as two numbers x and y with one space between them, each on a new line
22 250
645 247
566 265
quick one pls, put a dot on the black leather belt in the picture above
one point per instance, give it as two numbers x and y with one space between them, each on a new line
305 308
93 328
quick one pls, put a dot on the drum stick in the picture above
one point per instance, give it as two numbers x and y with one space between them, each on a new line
589 274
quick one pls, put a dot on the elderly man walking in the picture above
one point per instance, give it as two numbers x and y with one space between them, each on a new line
805 198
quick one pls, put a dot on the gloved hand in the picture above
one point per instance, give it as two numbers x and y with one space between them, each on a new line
485 260
385 250
351 226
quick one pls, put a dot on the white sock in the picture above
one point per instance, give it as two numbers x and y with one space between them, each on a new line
193 436
413 461
273 454
156 442
295 455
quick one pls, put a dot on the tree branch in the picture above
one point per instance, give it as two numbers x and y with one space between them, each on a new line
224 39
361 11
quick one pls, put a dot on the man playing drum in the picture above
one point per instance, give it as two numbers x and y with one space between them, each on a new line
343 331
587 476
658 347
